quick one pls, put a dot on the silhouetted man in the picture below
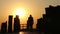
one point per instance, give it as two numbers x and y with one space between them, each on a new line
30 22
16 24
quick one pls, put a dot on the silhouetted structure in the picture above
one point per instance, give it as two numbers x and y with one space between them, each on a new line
16 24
40 24
30 22
4 27
10 23
51 20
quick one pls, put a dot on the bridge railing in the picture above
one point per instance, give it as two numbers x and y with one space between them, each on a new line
23 26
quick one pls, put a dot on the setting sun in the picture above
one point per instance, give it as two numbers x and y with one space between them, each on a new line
20 12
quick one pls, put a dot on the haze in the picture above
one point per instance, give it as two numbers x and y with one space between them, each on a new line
34 7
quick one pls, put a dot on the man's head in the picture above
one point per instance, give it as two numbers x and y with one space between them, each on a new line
30 15
17 16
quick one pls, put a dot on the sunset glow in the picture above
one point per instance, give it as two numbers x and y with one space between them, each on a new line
20 12
23 8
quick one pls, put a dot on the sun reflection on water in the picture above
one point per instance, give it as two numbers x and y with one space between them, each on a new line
31 33
21 33
24 32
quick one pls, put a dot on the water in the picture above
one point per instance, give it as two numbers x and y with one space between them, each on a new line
28 32
25 33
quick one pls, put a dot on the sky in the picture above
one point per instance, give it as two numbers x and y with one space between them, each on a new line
34 7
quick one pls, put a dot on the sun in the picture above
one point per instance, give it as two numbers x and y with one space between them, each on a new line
20 12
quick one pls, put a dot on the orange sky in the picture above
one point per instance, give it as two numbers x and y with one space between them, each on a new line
34 7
